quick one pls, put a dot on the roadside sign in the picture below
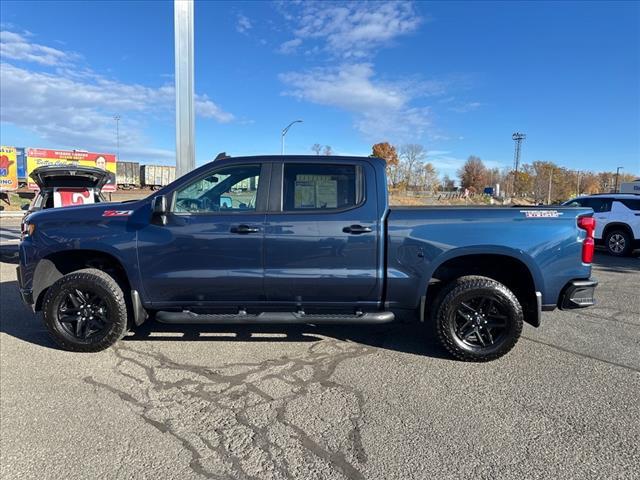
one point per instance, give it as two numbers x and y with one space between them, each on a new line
37 157
8 169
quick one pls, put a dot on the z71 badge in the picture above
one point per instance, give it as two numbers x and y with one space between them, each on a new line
541 213
117 213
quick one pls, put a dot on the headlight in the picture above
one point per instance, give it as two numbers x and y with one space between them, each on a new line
28 229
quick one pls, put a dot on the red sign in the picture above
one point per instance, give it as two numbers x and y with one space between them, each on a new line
68 196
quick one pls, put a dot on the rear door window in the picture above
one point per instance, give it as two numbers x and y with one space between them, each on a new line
321 187
599 205
631 204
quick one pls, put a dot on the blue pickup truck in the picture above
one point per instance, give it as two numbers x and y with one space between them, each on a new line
302 239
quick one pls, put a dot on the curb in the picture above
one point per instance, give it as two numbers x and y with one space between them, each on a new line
11 214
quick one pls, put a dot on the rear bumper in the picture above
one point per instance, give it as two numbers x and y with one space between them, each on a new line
578 294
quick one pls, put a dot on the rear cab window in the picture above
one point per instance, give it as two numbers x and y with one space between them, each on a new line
321 187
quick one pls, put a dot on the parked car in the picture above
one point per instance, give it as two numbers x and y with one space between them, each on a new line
65 186
69 185
617 220
307 240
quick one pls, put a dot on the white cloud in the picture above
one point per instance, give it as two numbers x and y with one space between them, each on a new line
466 107
290 46
208 109
73 106
351 29
381 110
243 25
17 47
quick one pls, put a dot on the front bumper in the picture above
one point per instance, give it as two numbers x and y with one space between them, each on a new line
25 293
578 294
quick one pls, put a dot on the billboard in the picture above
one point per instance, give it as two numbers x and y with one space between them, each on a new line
37 157
8 169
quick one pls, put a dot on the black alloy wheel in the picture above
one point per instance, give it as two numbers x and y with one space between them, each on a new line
480 321
83 314
85 311
477 318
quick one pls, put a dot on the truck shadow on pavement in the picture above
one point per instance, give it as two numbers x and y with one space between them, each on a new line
18 321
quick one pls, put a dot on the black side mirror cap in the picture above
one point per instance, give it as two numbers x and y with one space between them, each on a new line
159 205
160 208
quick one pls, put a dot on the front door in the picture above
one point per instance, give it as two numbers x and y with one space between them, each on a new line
210 251
322 246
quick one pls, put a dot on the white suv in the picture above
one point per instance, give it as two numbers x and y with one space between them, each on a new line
617 220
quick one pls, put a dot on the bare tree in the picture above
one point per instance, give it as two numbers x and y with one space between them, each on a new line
317 148
448 184
412 156
427 177
328 150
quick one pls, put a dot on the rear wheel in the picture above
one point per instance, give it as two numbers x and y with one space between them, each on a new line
618 243
477 318
85 311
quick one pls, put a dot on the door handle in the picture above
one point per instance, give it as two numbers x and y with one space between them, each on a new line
244 229
357 229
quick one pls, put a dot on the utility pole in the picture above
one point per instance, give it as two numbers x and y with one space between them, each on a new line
550 183
518 138
615 189
284 133
578 187
117 118
185 112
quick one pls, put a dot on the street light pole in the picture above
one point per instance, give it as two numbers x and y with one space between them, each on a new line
117 117
284 132
615 189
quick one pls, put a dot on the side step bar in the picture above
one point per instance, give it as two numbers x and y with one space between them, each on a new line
187 317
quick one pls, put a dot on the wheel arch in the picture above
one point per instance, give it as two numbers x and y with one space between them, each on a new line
512 270
55 265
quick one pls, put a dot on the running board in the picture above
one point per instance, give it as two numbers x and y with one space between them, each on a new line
187 317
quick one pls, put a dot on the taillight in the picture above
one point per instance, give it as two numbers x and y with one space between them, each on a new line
588 245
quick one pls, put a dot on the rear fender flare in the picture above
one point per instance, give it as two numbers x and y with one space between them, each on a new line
515 254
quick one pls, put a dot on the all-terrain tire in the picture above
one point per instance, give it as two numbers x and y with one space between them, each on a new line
101 286
502 302
618 243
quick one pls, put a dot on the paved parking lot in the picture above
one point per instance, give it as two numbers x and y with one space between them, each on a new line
325 403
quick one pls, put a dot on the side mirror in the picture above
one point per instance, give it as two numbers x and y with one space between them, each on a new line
160 208
25 207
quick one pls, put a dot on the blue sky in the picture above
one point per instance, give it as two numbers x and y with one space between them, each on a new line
456 77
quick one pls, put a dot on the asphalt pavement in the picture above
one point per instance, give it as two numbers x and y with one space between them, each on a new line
304 402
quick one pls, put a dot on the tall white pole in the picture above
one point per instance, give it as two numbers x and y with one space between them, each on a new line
185 112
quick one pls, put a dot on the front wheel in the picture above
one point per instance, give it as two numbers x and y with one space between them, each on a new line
85 311
477 318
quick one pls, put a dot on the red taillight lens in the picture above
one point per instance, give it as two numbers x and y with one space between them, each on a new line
588 245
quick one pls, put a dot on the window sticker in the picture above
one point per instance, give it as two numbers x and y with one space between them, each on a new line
305 194
316 191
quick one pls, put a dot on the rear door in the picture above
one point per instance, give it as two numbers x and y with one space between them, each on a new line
322 235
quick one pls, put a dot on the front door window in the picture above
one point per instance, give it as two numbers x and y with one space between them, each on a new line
230 189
